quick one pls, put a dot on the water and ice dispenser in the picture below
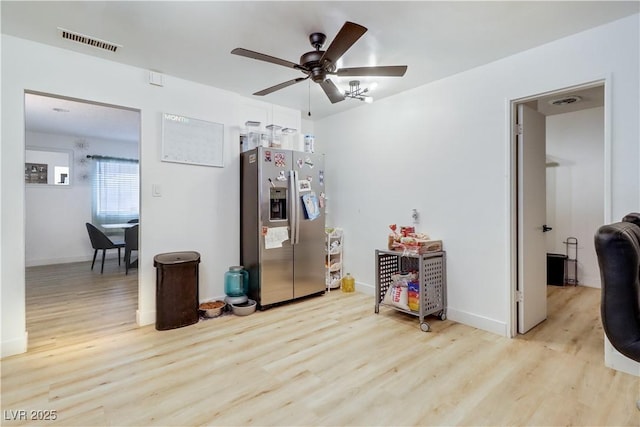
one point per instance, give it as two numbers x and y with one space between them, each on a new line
277 204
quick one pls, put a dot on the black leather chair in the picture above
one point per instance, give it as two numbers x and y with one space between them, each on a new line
130 244
618 250
633 217
100 241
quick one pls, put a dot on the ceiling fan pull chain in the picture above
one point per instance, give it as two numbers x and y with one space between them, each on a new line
309 114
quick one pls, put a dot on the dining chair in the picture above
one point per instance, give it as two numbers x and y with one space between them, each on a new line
130 244
100 241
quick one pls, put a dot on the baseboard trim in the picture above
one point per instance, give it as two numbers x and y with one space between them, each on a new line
459 316
475 321
66 260
145 318
15 346
364 288
111 255
589 284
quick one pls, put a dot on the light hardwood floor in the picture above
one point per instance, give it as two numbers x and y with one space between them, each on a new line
327 361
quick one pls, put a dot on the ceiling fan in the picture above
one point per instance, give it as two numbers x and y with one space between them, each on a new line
319 64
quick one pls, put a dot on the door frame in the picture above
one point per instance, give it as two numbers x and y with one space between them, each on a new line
139 147
514 184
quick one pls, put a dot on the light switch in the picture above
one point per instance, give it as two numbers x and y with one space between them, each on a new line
156 78
156 190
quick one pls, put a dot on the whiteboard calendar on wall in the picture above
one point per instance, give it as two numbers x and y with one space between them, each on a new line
192 141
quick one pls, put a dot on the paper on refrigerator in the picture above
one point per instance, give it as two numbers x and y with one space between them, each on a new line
275 236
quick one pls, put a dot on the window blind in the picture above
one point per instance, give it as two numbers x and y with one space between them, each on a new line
116 191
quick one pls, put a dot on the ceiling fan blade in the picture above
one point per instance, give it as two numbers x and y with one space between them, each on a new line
280 86
262 57
346 37
383 71
332 91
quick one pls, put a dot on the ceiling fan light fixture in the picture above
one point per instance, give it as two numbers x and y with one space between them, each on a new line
356 92
318 65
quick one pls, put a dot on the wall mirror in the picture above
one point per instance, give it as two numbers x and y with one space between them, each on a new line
46 166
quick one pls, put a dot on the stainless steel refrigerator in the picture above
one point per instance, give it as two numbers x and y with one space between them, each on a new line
282 237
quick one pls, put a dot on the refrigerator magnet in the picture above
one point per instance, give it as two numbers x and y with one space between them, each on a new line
311 206
321 177
252 158
265 230
308 162
300 163
281 176
304 185
280 160
267 156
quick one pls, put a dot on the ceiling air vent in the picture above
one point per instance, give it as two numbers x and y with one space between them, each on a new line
88 40
566 100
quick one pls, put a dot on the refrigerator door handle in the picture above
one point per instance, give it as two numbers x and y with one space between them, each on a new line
293 206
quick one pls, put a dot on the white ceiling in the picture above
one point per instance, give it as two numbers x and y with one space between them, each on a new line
66 116
193 40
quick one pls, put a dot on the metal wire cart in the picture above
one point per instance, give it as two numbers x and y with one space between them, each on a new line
431 268
571 274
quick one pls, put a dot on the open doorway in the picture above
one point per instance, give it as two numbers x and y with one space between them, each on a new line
559 161
63 134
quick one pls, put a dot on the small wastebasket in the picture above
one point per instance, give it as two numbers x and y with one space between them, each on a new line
555 269
176 289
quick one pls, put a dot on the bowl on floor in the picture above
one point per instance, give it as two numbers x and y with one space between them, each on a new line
244 308
212 308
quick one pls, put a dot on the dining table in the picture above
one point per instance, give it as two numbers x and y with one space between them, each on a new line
121 225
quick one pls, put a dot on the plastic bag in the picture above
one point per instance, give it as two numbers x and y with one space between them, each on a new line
398 292
413 289
398 296
411 243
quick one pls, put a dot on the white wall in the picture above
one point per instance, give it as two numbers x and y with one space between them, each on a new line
444 149
199 206
575 187
307 128
55 215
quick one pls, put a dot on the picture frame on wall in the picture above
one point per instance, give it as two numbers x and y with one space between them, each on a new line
35 173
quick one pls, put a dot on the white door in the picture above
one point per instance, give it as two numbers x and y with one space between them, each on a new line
532 268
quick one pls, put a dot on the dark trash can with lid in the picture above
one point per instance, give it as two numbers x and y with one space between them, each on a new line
176 289
555 269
